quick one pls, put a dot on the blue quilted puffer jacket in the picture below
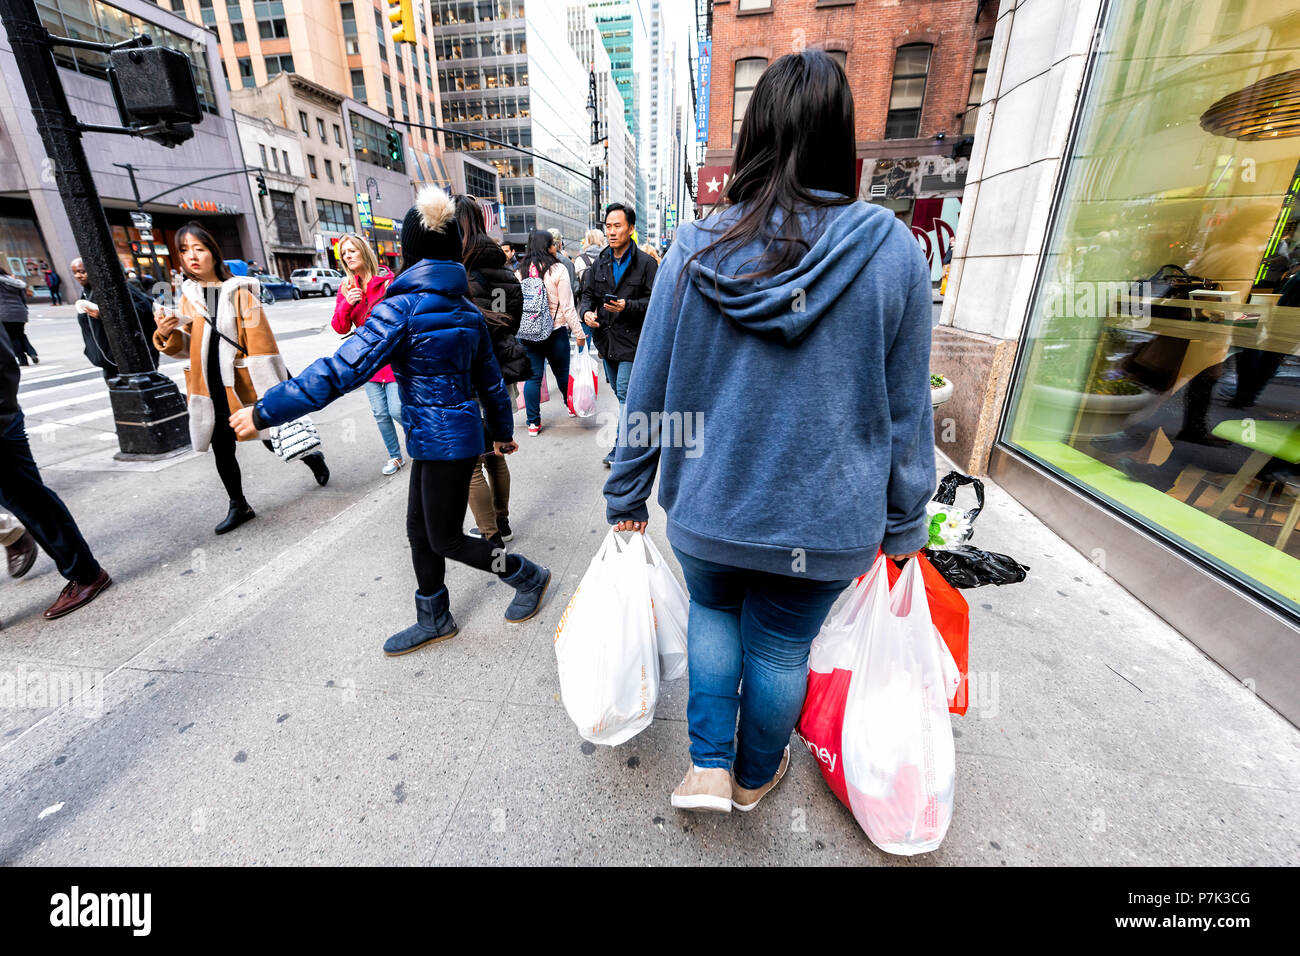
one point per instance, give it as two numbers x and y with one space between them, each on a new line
438 344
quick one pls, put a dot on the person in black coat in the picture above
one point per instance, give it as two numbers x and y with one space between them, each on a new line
497 293
13 315
94 337
626 274
42 513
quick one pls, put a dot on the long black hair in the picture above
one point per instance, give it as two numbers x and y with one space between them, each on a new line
196 230
797 136
539 253
469 216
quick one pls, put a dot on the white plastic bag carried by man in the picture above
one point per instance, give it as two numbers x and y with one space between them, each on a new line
885 746
623 631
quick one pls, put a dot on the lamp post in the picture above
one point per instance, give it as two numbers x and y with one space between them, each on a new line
596 139
372 190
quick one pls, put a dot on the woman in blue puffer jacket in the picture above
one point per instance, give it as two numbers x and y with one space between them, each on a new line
437 343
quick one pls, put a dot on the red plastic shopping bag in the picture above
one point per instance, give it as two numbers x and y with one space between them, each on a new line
582 384
876 716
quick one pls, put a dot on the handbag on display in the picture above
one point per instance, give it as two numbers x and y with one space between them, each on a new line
1170 282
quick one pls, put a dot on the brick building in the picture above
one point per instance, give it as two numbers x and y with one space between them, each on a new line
917 71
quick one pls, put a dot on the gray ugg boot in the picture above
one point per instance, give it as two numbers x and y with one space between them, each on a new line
433 623
530 582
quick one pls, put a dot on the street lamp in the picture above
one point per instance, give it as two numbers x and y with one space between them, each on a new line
596 139
372 190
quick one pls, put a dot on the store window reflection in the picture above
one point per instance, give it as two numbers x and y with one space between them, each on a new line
1160 370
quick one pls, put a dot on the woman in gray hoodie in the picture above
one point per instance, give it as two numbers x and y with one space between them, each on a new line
794 316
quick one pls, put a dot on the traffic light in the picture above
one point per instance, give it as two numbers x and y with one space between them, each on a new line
261 185
402 15
394 145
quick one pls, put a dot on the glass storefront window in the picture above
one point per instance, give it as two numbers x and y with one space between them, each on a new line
1159 370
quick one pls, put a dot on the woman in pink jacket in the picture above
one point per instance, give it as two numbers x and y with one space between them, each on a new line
542 262
367 280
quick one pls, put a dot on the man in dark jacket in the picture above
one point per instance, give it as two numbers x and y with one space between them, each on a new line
93 335
42 513
615 296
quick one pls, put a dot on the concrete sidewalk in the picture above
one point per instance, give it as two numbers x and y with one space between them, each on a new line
227 701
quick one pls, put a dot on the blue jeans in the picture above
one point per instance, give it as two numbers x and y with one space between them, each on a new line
556 351
618 374
386 406
757 626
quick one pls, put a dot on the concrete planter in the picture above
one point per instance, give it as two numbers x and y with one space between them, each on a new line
1098 416
941 394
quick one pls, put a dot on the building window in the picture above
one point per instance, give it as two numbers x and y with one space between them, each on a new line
286 222
275 65
388 95
840 57
311 166
755 5
237 33
287 170
302 121
263 149
246 73
911 65
320 129
270 20
379 32
334 216
1156 390
275 162
747 73
329 170
338 135
480 183
370 140
978 74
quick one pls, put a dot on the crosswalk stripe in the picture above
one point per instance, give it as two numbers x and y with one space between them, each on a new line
88 380
73 400
75 420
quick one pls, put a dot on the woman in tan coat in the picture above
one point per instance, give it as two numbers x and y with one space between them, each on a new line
220 323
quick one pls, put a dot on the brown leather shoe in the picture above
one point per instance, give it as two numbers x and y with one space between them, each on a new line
21 555
74 595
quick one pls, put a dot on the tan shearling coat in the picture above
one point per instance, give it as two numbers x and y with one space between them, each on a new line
245 377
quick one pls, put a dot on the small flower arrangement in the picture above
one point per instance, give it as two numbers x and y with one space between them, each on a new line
937 381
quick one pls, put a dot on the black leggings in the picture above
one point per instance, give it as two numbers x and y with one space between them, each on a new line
435 524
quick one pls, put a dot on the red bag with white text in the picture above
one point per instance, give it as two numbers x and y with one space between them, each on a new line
884 742
822 718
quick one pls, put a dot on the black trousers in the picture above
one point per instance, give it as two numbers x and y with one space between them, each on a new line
18 337
224 443
42 512
435 524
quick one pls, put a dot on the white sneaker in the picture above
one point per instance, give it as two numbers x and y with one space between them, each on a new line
393 465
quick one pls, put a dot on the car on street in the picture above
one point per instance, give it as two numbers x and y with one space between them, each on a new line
274 288
312 281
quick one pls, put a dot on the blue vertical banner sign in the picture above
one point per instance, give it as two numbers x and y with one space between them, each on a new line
702 85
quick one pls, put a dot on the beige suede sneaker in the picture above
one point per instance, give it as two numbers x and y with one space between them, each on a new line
745 800
704 788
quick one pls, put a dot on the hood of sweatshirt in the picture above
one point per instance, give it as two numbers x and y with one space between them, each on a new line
788 305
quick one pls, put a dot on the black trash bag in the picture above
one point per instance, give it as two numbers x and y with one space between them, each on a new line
967 567
947 493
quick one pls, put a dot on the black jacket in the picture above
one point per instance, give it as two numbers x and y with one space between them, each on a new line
492 284
9 378
618 332
95 339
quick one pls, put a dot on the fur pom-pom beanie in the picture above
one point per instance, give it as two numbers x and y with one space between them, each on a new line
429 230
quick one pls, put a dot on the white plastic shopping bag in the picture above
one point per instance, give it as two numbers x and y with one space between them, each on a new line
671 610
899 760
582 383
605 646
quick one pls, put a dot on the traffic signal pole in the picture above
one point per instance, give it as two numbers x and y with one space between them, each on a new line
148 410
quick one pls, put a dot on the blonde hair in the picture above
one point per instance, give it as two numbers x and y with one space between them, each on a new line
369 261
594 237
650 251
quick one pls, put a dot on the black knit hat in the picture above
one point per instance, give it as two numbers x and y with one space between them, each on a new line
429 230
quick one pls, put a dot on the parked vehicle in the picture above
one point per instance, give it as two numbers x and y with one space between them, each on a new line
274 288
312 281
